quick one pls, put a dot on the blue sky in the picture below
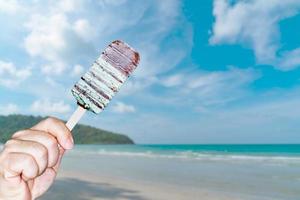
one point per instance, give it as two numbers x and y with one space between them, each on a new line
222 71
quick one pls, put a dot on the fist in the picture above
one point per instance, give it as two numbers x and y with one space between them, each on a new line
30 159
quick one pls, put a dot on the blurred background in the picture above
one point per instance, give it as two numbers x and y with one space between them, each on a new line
211 71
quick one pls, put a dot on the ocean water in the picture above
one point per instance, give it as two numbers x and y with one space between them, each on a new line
247 172
286 153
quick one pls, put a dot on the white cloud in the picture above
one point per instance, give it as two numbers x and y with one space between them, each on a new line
133 85
255 24
172 80
9 109
205 89
10 6
234 77
54 68
69 5
51 82
111 2
56 37
290 60
47 40
77 71
69 31
83 29
45 106
121 107
46 37
11 76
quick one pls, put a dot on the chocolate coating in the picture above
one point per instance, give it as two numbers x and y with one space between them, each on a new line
108 73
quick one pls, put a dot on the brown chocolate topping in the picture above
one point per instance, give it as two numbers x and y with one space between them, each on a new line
122 57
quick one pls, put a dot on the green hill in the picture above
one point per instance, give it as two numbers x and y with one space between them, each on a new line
82 134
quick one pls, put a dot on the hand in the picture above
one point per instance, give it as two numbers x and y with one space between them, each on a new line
30 159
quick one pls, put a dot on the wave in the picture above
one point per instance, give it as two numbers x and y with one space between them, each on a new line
197 156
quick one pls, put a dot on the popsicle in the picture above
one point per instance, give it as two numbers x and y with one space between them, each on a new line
108 73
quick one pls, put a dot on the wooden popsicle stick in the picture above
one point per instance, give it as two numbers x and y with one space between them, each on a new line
74 119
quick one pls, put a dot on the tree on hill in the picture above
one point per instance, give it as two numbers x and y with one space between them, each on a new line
82 134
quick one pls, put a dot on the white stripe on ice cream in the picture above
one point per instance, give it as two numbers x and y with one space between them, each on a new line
98 85
106 76
108 67
93 93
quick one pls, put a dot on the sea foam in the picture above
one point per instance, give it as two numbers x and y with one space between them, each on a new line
192 155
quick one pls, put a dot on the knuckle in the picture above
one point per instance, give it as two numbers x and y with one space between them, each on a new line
8 162
51 120
28 160
52 143
3 155
9 143
40 150
19 133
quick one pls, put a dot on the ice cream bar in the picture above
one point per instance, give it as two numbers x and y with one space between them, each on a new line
96 87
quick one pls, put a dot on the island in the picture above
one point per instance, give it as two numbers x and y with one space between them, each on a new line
83 134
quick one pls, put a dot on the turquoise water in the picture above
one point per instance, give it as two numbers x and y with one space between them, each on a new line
221 148
237 148
197 151
259 154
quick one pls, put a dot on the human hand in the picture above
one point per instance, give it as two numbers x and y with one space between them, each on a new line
30 159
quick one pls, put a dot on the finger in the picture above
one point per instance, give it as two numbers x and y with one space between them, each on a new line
44 138
38 151
58 129
16 164
43 182
61 154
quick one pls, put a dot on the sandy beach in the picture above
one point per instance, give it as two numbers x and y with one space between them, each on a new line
85 187
110 175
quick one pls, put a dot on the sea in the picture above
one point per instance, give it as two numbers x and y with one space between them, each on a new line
229 152
248 172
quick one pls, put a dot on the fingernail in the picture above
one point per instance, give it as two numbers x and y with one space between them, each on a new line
70 143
